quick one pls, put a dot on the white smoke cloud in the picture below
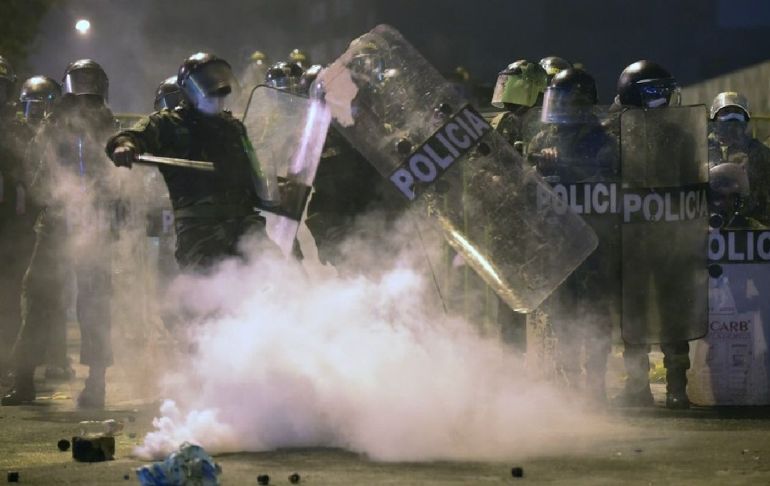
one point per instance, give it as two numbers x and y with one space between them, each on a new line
365 363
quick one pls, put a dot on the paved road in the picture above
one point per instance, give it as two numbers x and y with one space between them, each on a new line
701 446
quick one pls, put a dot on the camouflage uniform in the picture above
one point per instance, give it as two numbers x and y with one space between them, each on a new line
513 326
212 211
68 146
16 221
509 125
583 310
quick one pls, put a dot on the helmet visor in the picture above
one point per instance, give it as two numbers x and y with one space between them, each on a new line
86 81
656 93
566 106
517 89
212 79
34 109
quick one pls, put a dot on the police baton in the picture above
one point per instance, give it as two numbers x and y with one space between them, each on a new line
173 162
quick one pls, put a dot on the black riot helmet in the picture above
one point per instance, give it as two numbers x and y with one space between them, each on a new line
308 77
85 78
728 189
7 81
570 98
206 80
646 84
168 95
553 65
205 74
284 76
37 97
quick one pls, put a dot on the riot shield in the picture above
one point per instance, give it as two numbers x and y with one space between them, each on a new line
287 133
441 155
580 159
730 365
664 166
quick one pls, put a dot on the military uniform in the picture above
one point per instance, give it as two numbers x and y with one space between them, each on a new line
16 221
72 236
346 186
584 309
212 211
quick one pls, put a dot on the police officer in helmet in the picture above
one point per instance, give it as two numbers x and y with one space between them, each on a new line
72 233
168 95
16 217
520 87
730 141
573 149
285 76
553 65
647 84
37 98
212 210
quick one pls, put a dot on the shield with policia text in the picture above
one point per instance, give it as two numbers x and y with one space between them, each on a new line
664 167
575 148
439 153
287 133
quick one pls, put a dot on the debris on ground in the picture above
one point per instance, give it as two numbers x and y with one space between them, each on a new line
190 465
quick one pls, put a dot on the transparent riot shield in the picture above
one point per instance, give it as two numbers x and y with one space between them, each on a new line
287 133
439 153
580 158
664 166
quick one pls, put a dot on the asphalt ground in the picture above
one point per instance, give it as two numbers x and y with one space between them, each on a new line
697 446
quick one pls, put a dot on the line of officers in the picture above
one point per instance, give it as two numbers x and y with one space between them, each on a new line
551 117
57 148
62 208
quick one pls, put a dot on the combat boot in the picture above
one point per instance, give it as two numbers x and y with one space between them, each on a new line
676 389
636 392
676 359
92 395
23 390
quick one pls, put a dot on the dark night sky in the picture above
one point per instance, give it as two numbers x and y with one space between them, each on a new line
141 42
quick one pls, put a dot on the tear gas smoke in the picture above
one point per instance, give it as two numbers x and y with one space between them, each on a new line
367 363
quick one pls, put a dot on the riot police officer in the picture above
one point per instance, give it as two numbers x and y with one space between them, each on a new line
15 213
520 86
729 196
212 210
285 76
168 95
299 57
73 234
646 84
37 98
255 71
730 141
574 151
